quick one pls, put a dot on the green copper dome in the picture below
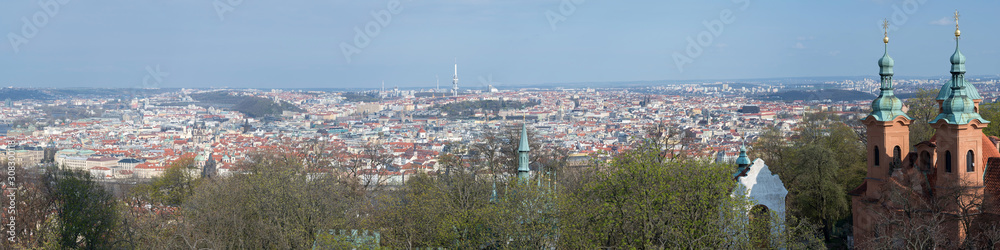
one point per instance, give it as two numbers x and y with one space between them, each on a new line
885 64
887 106
958 95
970 90
743 159
959 109
958 76
957 61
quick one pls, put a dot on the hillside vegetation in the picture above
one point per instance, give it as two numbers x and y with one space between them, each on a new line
249 105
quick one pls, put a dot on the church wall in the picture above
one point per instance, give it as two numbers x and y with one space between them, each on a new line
959 139
886 136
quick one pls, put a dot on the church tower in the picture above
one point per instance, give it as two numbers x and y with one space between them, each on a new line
959 137
888 128
523 171
959 141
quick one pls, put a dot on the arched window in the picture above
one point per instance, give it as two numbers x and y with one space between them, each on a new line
896 155
876 155
926 163
970 162
947 161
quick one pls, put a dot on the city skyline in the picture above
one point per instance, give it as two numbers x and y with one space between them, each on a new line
312 44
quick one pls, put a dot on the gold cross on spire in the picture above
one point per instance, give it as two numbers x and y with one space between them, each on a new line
956 18
957 32
885 29
885 26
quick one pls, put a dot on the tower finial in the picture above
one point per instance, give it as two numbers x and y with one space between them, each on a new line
957 31
885 30
743 139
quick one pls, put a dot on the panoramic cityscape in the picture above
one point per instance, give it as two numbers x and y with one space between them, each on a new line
562 124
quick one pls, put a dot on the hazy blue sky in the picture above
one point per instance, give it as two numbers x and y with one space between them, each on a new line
298 43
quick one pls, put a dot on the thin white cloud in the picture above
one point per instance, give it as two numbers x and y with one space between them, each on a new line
799 46
942 21
834 53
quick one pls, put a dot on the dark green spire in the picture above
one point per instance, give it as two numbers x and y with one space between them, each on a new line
522 154
958 103
887 106
742 162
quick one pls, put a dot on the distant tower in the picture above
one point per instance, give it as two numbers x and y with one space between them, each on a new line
454 82
523 171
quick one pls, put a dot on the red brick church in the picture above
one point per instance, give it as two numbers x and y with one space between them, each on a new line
944 190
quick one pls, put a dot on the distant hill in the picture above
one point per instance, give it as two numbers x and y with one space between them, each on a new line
835 95
17 94
252 106
360 97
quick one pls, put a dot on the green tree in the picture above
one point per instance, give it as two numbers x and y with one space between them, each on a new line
922 108
991 112
643 200
828 131
843 166
271 202
88 214
772 147
817 194
414 216
176 184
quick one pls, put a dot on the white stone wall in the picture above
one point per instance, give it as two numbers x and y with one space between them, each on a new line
765 188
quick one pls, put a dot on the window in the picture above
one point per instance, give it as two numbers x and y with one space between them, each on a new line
926 162
947 161
970 162
895 155
876 155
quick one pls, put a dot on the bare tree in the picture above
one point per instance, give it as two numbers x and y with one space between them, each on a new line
905 219
366 166
908 217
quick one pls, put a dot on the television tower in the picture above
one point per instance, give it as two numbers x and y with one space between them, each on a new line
454 83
